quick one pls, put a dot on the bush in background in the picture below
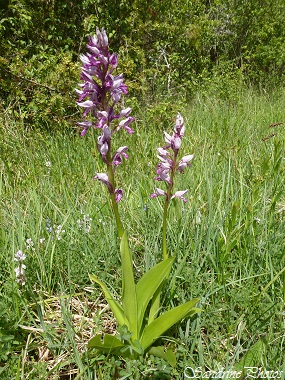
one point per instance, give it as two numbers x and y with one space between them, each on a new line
165 47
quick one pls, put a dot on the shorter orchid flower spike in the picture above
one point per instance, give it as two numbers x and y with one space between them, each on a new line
169 164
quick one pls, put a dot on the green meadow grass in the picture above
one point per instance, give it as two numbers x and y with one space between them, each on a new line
229 241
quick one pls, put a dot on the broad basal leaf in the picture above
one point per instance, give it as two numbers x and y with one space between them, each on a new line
115 307
129 299
149 283
105 343
155 329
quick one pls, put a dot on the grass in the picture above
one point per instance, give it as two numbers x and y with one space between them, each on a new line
229 240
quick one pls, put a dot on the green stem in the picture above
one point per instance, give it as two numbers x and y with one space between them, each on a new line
164 228
165 210
113 197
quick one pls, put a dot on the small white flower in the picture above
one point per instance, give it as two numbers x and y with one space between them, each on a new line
42 240
19 256
59 231
20 274
20 271
29 243
48 164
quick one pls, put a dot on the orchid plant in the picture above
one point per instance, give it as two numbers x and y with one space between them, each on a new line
140 323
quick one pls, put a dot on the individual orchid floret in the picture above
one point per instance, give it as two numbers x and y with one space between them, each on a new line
163 153
179 128
125 112
157 193
174 141
86 125
103 143
103 177
119 154
118 195
179 194
163 176
125 124
184 162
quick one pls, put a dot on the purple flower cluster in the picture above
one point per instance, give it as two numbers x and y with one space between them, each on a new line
169 164
99 95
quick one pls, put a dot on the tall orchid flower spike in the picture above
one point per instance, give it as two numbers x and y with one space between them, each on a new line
100 94
168 166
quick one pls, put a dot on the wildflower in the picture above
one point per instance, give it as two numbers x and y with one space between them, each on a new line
41 241
158 192
59 231
48 164
29 243
169 164
166 169
118 156
179 194
118 195
20 270
101 90
20 274
19 256
99 95
103 177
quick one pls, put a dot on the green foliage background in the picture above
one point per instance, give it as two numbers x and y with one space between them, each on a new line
165 47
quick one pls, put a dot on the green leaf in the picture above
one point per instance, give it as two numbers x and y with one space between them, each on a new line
105 343
129 298
155 329
147 286
155 305
115 307
167 355
253 357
